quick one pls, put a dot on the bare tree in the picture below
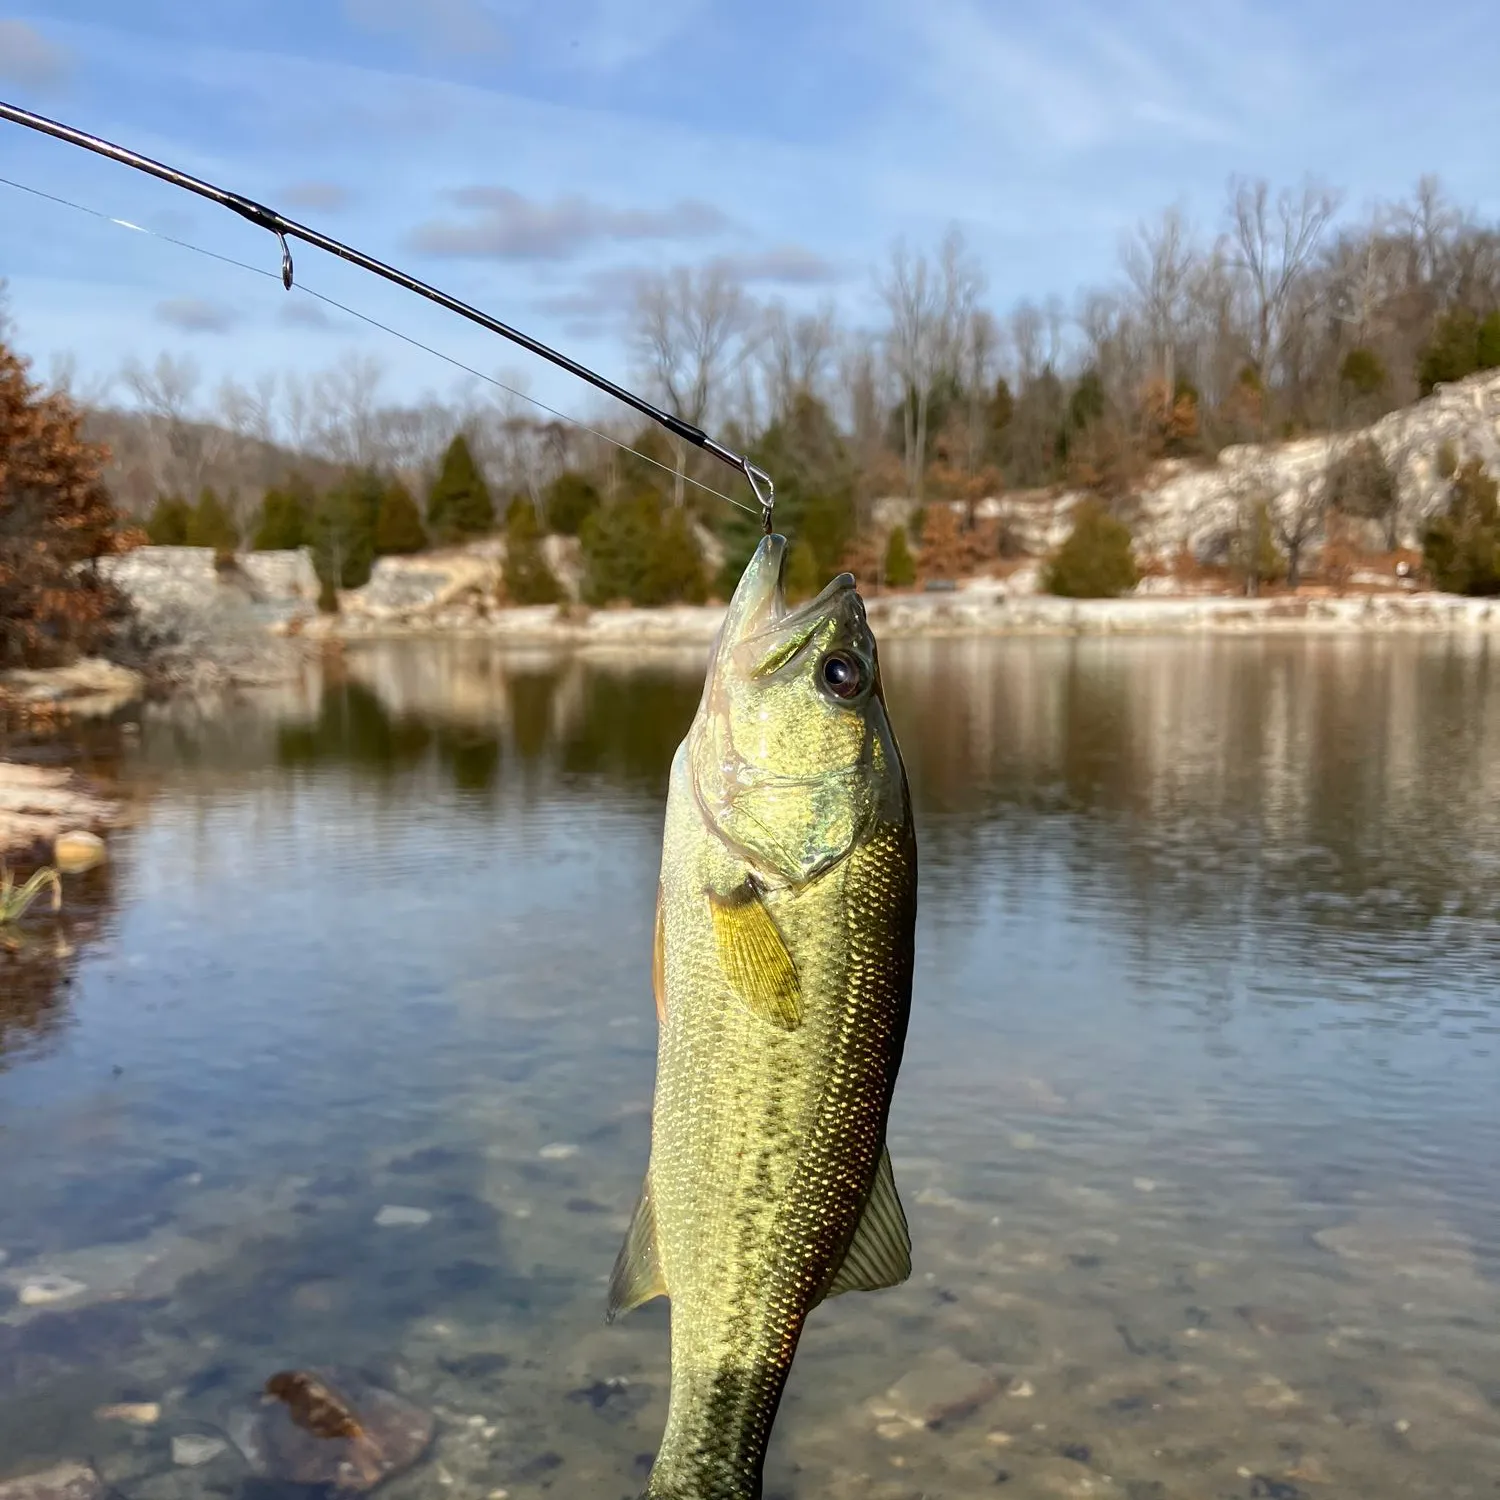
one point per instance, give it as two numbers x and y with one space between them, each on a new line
1026 325
691 330
928 306
796 352
1159 260
347 422
1295 523
979 344
182 446
1273 244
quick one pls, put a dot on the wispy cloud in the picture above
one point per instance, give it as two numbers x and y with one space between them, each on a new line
788 265
303 312
328 197
30 59
195 315
510 226
452 28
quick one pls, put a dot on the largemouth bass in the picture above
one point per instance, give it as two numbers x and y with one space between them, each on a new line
782 972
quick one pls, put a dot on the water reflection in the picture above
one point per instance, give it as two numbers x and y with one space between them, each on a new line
1196 1128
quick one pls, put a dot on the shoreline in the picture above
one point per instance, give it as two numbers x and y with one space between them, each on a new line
964 613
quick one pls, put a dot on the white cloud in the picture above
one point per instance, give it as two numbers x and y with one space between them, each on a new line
328 197
195 315
511 226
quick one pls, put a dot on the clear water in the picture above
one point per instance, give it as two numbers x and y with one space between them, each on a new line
1199 1127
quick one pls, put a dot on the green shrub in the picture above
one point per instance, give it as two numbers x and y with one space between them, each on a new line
635 551
1447 459
1462 548
210 524
1461 344
343 530
528 579
398 523
1254 555
1363 372
459 505
900 566
1095 562
167 525
800 580
285 517
569 501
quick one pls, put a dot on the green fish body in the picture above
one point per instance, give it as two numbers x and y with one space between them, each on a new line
783 963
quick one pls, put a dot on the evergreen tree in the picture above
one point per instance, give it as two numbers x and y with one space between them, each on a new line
167 525
398 523
634 551
343 531
569 500
800 580
285 517
210 524
900 566
528 579
459 505
1461 549
1095 562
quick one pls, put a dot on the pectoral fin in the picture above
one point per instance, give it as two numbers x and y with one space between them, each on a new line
754 956
880 1253
637 1275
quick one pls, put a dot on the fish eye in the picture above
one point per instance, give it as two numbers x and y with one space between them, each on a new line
842 674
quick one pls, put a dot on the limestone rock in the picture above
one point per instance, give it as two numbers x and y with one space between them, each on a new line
943 1388
67 1481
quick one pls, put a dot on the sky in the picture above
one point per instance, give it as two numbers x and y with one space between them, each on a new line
532 159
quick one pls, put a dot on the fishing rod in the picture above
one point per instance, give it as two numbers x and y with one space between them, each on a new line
284 228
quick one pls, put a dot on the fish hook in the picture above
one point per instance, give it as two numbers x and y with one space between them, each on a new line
764 490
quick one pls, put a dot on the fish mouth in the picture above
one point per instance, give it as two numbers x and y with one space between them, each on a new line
759 605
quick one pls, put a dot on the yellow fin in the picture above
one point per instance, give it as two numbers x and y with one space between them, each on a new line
637 1275
754 957
879 1255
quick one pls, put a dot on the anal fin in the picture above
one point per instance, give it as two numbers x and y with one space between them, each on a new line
637 1274
754 957
879 1255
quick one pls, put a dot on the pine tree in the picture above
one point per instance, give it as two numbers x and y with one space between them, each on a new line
459 504
800 581
633 551
1095 562
569 500
528 579
343 531
210 524
285 517
167 525
900 566
398 524
56 520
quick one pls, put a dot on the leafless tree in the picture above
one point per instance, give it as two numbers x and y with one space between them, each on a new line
346 414
1159 259
691 331
1295 522
182 445
796 352
979 345
1272 245
1026 325
928 306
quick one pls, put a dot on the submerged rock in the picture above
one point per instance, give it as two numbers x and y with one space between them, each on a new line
394 1216
943 1388
331 1427
192 1450
68 1481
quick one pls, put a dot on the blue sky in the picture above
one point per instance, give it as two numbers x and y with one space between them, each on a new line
530 157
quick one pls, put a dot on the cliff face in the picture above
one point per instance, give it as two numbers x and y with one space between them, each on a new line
1197 506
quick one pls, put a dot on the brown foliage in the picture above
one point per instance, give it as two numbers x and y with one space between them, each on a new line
1168 426
56 520
952 548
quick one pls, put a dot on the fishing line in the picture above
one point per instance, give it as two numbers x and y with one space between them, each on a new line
406 338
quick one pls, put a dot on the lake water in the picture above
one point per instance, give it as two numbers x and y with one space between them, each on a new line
1198 1131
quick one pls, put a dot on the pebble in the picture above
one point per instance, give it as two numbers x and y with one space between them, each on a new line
499 1495
77 850
192 1451
1022 1390
558 1151
1144 1185
393 1216
42 1291
137 1413
999 1439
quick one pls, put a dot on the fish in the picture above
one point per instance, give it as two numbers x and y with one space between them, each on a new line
782 971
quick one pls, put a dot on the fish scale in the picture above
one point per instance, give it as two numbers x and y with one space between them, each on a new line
786 912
